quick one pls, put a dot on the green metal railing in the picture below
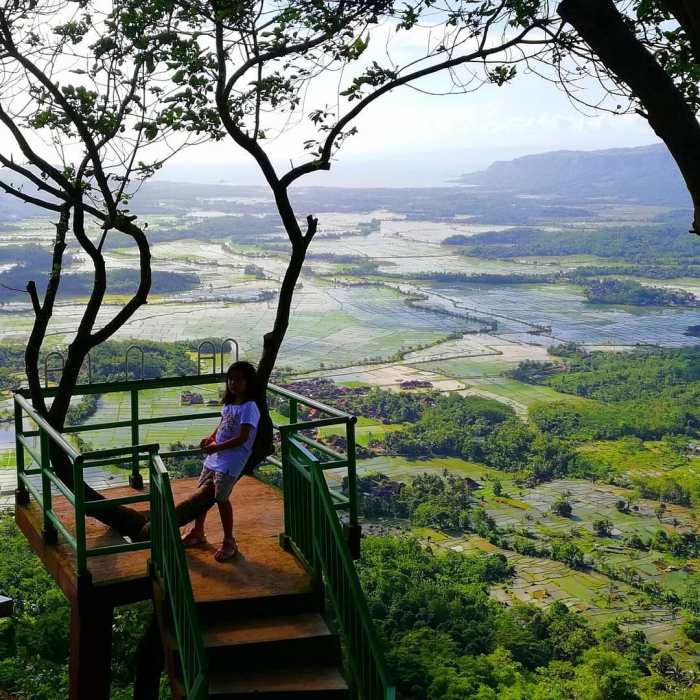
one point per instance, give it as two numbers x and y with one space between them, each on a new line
314 533
41 439
169 565
50 441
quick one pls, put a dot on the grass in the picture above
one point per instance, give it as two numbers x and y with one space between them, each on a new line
521 393
636 458
466 368
366 430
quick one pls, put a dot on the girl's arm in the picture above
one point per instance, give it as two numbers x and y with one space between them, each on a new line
211 438
232 442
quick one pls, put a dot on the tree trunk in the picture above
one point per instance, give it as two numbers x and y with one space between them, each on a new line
272 341
603 28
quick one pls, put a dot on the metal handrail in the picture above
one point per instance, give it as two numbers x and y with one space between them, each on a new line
315 534
169 566
46 428
206 358
52 524
126 360
310 514
223 345
170 382
48 369
137 452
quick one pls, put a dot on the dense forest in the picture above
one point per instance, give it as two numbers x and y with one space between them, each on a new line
596 288
34 643
119 281
613 291
108 362
645 244
448 640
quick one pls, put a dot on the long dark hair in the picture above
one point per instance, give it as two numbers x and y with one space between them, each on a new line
250 376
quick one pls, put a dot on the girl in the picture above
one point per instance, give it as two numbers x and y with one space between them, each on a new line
228 449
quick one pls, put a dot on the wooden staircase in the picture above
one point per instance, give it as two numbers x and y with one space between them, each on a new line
268 649
260 615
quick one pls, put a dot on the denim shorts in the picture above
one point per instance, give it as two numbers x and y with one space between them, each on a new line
223 483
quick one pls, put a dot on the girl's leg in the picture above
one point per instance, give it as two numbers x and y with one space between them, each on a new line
196 535
228 547
226 513
205 491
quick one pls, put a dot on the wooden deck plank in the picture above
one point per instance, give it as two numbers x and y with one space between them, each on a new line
261 569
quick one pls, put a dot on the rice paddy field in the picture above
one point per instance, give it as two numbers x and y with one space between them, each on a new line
543 581
378 331
571 318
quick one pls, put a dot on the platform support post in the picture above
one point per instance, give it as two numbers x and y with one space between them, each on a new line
21 494
90 645
149 663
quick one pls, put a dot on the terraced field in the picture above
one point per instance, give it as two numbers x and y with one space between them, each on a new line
543 581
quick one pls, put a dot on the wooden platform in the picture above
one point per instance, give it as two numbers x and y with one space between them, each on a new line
262 568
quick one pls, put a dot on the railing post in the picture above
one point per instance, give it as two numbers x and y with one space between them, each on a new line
49 534
353 531
315 535
79 493
135 480
21 493
286 496
293 410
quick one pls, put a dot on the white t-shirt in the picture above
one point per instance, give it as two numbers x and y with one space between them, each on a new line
233 416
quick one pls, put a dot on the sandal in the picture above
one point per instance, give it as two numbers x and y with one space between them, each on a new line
193 540
228 550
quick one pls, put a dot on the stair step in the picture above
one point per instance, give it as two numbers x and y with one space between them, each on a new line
285 604
257 642
264 629
317 682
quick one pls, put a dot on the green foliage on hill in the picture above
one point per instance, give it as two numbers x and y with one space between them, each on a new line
448 640
613 291
639 374
644 393
161 359
34 642
442 502
646 419
476 429
650 244
450 427
390 406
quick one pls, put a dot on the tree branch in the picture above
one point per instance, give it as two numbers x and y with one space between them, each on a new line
68 110
37 181
28 199
45 311
140 298
34 296
323 162
31 155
